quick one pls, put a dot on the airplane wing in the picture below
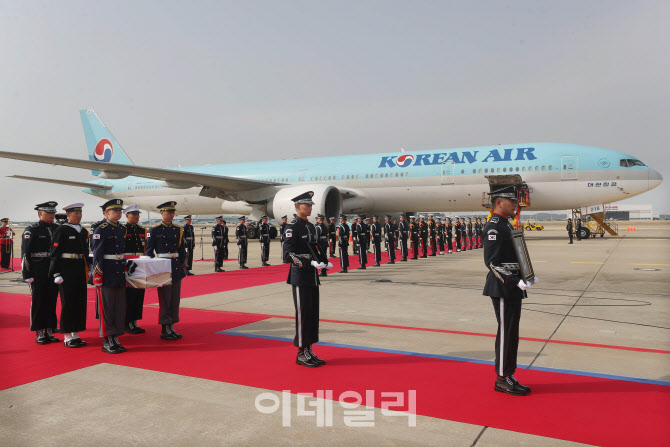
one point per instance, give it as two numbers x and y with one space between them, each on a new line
63 182
172 177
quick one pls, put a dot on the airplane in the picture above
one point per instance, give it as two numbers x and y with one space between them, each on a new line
560 176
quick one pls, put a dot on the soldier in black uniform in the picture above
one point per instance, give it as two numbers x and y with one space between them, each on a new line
6 244
189 243
568 227
448 231
282 238
354 234
395 232
242 241
322 231
35 265
362 232
136 240
468 235
432 234
220 243
332 237
343 237
167 241
109 276
414 236
376 240
403 236
457 234
264 239
439 231
304 279
479 227
423 234
69 269
389 238
578 229
505 288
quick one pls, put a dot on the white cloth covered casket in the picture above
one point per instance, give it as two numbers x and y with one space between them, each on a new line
150 272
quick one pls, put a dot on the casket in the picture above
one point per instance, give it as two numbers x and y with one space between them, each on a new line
150 272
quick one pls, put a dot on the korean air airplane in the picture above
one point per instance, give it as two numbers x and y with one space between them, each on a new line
559 176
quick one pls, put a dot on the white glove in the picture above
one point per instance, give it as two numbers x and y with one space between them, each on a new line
58 280
523 285
330 266
29 280
535 281
315 264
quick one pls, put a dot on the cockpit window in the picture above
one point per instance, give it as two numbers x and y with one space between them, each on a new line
628 162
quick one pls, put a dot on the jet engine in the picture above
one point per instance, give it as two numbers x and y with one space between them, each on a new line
327 201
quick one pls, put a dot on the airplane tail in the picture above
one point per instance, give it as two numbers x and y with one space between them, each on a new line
102 146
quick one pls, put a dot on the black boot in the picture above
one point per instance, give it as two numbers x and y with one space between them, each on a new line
509 386
166 334
523 387
138 330
303 359
41 337
118 344
361 268
109 346
315 359
343 271
175 333
51 337
218 270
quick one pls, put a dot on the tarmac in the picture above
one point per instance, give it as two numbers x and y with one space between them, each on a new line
602 307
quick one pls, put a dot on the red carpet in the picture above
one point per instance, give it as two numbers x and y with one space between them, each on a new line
576 408
212 260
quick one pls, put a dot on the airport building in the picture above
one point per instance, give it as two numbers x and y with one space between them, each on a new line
629 212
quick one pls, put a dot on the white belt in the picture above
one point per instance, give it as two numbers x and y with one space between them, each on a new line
133 254
41 254
166 255
71 256
113 257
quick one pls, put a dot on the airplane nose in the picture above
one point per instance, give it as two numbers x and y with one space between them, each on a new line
655 179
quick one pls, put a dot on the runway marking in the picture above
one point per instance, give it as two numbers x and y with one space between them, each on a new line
585 262
458 359
653 264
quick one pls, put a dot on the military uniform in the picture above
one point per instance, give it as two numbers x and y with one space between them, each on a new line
332 237
504 286
304 280
189 243
136 237
389 239
432 234
578 229
322 232
448 234
241 235
167 241
468 235
35 263
264 239
403 236
354 235
423 234
343 240
457 235
414 237
568 227
220 243
6 246
109 277
69 269
376 241
439 228
362 232
282 238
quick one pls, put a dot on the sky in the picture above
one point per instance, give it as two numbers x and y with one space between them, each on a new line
197 82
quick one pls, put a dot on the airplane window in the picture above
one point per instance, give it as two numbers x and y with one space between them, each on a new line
396 174
504 169
486 171
544 168
474 171
498 169
480 170
366 176
517 169
550 167
537 168
462 171
523 168
376 175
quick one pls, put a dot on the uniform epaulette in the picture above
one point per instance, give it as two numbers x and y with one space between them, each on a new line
293 221
156 225
102 225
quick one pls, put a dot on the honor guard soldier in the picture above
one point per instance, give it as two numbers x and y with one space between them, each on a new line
241 235
69 269
189 242
423 234
432 234
464 233
403 235
167 241
343 237
457 234
505 287
376 240
468 234
332 237
304 279
568 227
414 236
395 232
322 237
578 229
448 232
109 276
6 244
264 239
282 227
439 231
136 241
35 265
354 234
389 238
478 232
220 243
362 232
